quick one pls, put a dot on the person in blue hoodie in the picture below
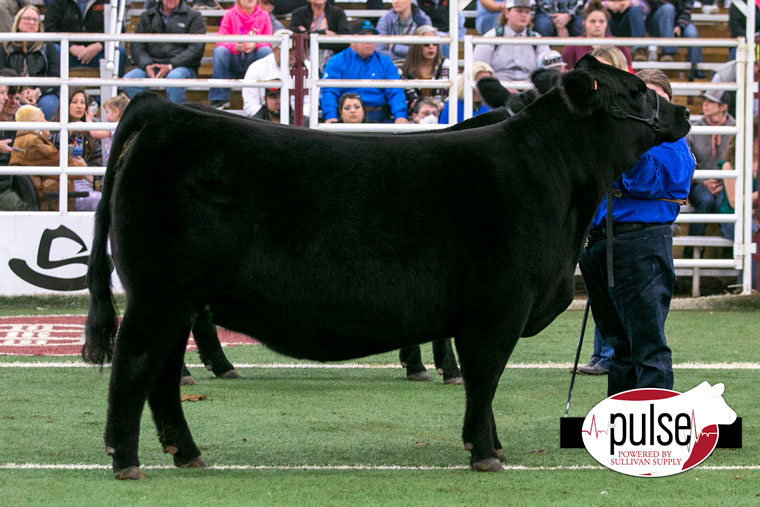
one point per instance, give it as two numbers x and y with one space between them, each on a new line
630 308
361 61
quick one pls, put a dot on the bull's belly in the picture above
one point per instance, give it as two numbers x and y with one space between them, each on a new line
332 334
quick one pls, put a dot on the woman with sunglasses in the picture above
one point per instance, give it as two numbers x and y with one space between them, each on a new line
33 58
425 61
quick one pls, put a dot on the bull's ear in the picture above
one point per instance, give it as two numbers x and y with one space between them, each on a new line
581 90
493 92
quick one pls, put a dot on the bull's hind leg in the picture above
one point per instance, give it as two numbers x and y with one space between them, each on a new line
146 337
481 372
165 404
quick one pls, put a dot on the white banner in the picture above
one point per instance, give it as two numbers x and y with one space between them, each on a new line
42 253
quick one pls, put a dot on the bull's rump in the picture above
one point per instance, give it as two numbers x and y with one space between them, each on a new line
320 246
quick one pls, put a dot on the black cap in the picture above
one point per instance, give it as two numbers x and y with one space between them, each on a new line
363 26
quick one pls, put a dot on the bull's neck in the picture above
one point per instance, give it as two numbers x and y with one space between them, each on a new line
597 148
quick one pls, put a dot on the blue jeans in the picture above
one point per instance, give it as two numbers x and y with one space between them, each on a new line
95 62
704 202
485 20
229 66
603 351
49 105
176 95
542 23
631 315
661 23
629 23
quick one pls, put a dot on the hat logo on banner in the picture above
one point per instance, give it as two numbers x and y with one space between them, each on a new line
21 268
656 432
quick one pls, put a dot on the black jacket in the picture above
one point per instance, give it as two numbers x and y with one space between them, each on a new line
65 16
182 20
336 21
42 63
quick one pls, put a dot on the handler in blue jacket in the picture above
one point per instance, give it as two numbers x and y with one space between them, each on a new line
631 314
361 61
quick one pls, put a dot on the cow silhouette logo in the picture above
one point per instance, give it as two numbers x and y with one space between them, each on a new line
656 432
21 269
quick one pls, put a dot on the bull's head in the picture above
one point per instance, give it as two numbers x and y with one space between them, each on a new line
593 87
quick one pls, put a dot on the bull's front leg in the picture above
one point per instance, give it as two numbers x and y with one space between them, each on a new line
482 362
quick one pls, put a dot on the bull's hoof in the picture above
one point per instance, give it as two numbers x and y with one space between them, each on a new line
132 473
439 370
487 465
170 449
500 455
231 374
456 381
187 380
468 446
197 462
418 377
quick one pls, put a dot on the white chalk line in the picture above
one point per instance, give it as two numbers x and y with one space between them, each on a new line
354 366
517 468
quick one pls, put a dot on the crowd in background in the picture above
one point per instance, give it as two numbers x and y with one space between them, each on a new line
260 61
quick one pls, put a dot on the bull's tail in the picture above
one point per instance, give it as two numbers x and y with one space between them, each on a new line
102 320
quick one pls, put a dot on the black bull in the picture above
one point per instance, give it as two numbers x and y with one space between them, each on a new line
330 247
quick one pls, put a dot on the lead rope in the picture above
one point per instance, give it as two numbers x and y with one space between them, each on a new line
610 277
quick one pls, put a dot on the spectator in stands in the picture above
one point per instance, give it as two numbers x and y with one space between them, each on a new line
559 18
512 63
728 203
425 110
425 61
631 315
320 17
438 11
552 60
8 113
157 60
268 69
33 58
611 56
595 23
270 110
232 59
79 112
402 19
81 17
479 71
673 19
361 61
708 150
114 108
627 19
487 15
34 149
737 23
268 6
8 10
10 200
351 108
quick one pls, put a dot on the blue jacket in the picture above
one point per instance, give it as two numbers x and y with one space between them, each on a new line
663 171
349 65
444 116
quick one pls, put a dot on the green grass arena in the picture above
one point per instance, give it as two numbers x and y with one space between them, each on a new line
291 433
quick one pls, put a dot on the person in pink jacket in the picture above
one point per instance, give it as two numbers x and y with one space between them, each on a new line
231 59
